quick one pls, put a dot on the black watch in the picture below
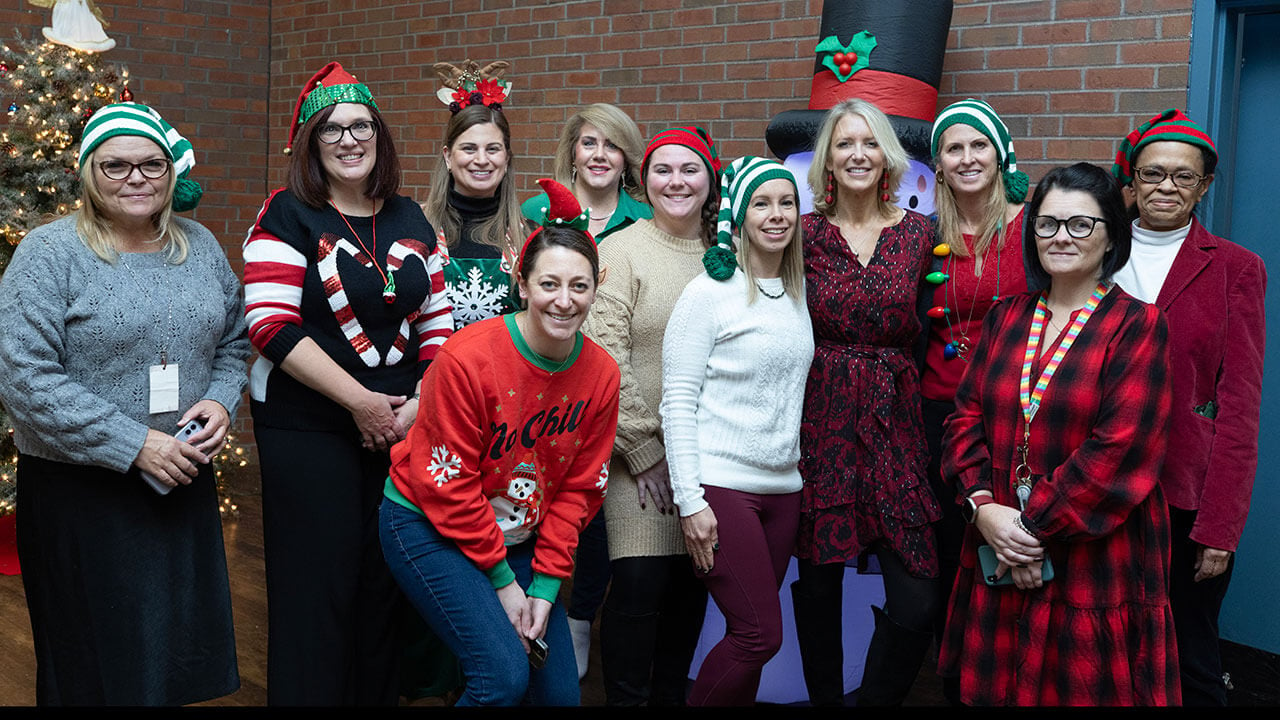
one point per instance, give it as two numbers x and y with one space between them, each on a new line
969 507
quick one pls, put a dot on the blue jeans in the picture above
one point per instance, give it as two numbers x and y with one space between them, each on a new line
457 600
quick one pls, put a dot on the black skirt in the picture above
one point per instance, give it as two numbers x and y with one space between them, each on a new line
127 589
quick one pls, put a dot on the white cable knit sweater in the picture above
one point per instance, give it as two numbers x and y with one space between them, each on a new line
733 378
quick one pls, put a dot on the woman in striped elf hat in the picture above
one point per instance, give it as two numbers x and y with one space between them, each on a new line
123 323
735 356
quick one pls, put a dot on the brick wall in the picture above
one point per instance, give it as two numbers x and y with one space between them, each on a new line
1069 77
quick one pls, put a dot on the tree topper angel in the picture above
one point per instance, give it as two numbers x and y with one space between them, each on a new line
77 24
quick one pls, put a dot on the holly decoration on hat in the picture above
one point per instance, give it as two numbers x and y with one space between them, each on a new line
845 60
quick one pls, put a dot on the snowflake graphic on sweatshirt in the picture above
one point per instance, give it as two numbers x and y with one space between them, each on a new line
444 465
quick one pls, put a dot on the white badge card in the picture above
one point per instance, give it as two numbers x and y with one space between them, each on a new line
164 388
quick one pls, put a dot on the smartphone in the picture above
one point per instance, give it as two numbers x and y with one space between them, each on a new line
987 559
537 653
183 435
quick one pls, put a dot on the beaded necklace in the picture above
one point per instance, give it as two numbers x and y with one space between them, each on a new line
959 348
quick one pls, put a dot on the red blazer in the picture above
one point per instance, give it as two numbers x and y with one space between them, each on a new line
1213 300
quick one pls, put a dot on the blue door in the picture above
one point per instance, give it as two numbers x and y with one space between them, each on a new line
1249 614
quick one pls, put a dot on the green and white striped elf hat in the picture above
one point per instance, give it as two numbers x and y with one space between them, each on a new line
130 118
739 181
983 118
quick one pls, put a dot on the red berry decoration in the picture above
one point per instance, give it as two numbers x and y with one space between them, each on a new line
838 58
845 68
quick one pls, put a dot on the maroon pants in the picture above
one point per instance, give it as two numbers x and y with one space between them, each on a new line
757 536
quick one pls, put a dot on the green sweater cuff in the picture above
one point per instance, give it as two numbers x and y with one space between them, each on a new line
544 587
501 575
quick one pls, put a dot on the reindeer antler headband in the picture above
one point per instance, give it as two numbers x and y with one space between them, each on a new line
472 84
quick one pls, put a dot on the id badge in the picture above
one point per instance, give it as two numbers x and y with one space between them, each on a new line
164 388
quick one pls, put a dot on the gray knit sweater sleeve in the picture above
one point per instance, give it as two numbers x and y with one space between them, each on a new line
80 335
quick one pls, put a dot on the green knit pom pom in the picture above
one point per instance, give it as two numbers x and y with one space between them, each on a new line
186 195
1015 186
719 262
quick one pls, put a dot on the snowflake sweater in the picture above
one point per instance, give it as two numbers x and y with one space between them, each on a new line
306 276
477 276
517 447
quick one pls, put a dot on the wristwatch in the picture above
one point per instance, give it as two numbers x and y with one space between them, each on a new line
969 508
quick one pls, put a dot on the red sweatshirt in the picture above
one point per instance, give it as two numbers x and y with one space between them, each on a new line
507 445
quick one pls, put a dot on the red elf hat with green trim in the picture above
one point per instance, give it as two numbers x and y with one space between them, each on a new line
330 86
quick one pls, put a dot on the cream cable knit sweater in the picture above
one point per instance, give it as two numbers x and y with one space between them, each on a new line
648 269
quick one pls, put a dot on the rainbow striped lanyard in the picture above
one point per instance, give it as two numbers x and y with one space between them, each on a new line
1031 398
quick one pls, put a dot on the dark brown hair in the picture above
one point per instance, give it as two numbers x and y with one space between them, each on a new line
559 236
308 179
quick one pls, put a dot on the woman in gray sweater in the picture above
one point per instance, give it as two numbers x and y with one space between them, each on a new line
123 324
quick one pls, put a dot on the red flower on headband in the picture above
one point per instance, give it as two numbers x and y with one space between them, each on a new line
491 91
462 96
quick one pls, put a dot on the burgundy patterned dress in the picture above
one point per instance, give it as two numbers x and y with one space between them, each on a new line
862 446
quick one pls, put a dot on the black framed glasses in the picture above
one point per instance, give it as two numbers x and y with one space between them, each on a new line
1152 175
120 170
1078 226
361 130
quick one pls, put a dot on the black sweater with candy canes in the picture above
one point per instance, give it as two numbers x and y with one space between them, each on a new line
307 275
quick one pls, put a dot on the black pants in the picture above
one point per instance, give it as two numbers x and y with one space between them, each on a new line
949 531
331 601
1195 616
649 631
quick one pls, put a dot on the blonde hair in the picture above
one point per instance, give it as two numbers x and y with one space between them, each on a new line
619 129
791 269
97 231
990 227
895 157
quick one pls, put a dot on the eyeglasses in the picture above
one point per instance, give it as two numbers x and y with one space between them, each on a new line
360 131
1078 226
1153 175
121 170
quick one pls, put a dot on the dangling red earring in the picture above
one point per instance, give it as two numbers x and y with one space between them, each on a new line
831 178
884 186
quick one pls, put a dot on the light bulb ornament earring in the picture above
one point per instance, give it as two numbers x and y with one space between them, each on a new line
831 179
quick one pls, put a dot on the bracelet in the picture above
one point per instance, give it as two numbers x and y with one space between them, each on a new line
1017 521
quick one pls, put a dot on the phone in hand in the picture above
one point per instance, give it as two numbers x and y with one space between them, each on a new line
183 435
537 653
987 559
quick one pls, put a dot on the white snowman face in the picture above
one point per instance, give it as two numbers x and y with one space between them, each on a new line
521 488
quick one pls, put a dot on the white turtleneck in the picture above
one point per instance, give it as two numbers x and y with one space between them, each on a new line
1149 261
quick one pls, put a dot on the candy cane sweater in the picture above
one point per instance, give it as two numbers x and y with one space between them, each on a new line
308 275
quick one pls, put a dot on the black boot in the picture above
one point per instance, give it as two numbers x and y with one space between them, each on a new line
819 634
893 662
626 655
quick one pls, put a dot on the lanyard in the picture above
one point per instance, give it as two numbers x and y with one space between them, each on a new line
1030 398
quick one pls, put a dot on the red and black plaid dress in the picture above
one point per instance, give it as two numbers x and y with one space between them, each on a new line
1100 632
862 448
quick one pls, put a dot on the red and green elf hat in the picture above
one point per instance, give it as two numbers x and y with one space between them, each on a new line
1171 125
330 86
694 138
562 210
